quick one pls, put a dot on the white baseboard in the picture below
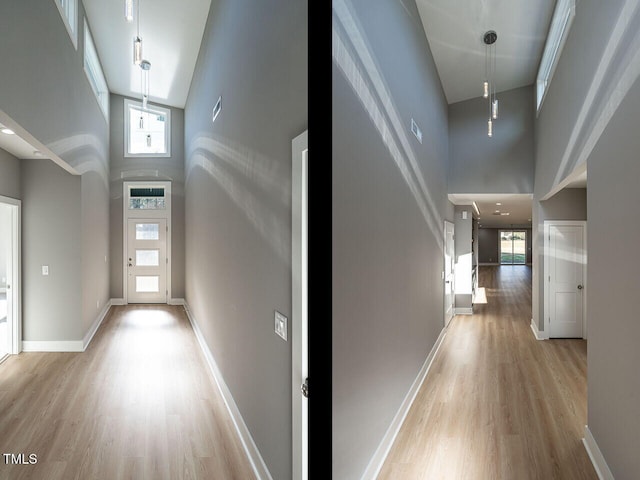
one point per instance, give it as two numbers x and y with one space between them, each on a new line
175 301
537 333
118 301
68 345
599 463
96 324
463 311
52 346
380 455
259 467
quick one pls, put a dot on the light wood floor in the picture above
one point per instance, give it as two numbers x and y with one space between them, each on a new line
497 404
138 404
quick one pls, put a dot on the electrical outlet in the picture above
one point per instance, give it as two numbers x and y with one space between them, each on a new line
280 325
45 269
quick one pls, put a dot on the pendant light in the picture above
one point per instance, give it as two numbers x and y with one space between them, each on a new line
128 10
489 86
137 42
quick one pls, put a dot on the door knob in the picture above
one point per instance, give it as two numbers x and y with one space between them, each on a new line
304 388
580 287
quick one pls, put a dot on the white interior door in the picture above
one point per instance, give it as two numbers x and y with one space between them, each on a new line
449 260
10 304
300 321
147 260
566 272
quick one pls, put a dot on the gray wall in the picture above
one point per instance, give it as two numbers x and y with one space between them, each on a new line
502 163
387 247
60 111
50 236
488 244
142 169
568 204
613 235
9 175
612 200
238 204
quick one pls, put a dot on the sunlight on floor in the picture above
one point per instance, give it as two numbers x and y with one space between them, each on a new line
481 296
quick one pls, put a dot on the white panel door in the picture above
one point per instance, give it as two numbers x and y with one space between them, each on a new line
448 271
566 281
147 260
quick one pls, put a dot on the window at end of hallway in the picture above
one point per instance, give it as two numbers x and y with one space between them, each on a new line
558 31
69 11
94 72
147 131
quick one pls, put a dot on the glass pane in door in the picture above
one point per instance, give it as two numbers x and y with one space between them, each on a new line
519 247
506 247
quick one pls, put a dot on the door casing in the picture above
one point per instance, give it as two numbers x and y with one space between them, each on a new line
299 314
14 280
449 273
142 214
547 287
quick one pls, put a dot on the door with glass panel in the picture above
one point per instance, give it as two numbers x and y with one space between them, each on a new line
513 247
147 260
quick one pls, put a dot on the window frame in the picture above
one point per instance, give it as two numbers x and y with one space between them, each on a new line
94 72
69 14
561 21
154 109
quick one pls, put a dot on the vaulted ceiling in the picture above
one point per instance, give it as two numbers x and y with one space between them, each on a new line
171 33
455 29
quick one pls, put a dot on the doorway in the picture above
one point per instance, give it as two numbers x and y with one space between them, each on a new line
513 247
449 260
10 305
299 320
565 266
147 242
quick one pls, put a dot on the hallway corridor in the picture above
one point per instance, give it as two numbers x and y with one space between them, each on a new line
139 403
497 404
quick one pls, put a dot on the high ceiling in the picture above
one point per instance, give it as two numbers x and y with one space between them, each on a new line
455 29
171 33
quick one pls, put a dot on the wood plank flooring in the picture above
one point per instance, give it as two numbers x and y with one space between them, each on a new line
497 404
138 404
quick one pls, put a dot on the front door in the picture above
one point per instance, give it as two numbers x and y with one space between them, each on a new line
147 260
566 280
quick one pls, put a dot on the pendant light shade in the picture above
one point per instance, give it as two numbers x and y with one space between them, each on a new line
128 10
489 86
137 50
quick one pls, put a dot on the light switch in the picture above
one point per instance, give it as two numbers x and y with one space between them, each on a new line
45 269
280 325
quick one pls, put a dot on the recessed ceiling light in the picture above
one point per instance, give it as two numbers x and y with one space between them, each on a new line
504 213
498 203
37 153
7 131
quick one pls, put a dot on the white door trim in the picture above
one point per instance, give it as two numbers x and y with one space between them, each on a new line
299 320
127 214
547 229
15 325
453 275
